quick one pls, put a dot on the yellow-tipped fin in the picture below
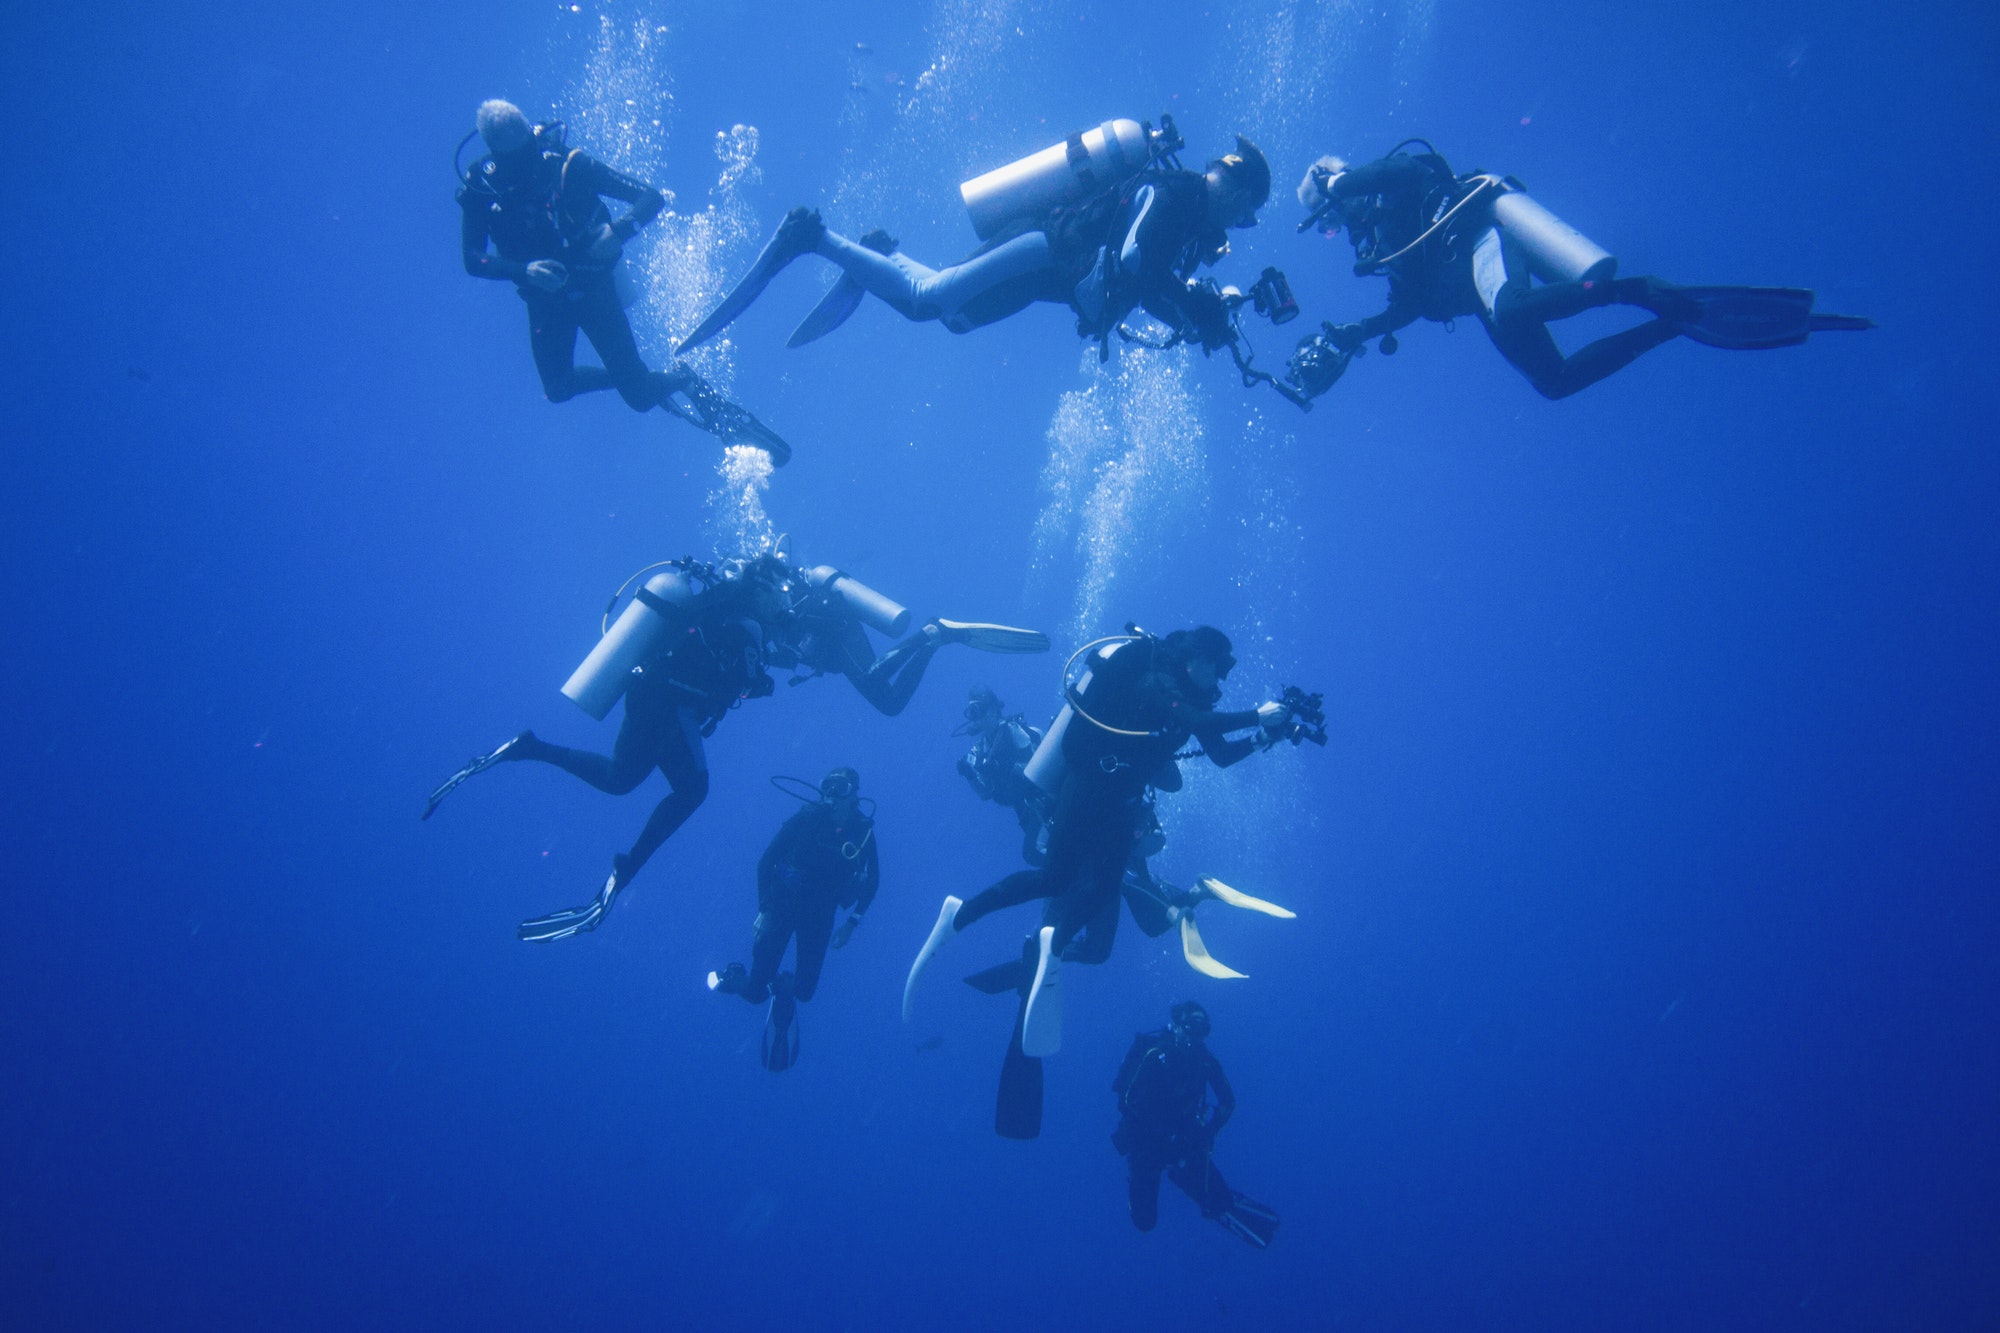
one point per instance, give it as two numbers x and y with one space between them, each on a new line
1198 956
1237 898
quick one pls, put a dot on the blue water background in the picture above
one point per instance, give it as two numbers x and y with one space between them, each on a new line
1643 976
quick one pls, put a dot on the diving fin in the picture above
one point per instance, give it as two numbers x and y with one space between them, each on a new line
471 770
1222 893
842 301
1042 1016
1198 957
1017 1109
797 234
1757 318
780 1049
942 931
992 638
572 920
1249 1221
723 417
1007 979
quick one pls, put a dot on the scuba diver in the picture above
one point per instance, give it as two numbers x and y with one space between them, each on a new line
1106 223
823 859
1454 246
995 766
1167 1124
695 642
534 215
1120 732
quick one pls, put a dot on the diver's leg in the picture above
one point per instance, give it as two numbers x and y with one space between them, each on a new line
1142 1188
552 329
1532 350
893 677
603 321
769 937
1086 918
642 737
1199 1180
922 293
815 931
686 770
1023 886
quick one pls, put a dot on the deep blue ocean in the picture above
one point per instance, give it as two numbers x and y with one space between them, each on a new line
1644 974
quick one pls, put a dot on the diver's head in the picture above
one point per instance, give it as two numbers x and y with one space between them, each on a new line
982 705
1238 185
767 582
1202 655
840 787
1188 1022
504 128
1319 178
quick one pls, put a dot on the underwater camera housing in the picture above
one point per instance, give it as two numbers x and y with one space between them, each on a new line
1318 362
1308 720
1271 295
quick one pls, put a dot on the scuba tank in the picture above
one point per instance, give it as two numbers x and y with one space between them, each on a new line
1046 766
1064 173
1557 252
665 604
858 600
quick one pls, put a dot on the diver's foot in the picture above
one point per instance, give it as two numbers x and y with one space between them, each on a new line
987 638
1658 295
798 234
730 980
880 241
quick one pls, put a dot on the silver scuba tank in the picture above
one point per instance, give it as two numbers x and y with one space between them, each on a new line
1046 766
1063 173
859 600
1557 252
663 606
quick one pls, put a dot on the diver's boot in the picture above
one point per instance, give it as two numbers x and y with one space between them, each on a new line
946 927
987 638
516 748
1658 295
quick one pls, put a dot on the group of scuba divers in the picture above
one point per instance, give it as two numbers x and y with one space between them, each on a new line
1109 224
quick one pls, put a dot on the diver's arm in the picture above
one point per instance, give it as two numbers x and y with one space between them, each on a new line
1225 1100
480 261
1394 318
646 200
1389 175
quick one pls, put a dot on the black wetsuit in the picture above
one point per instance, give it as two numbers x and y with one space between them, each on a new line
673 701
823 643
547 203
1466 268
995 765
1166 1124
1098 814
1125 249
820 861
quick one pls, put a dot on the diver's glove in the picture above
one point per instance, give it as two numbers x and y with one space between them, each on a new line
1346 337
548 274
1272 717
1207 313
571 921
845 931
